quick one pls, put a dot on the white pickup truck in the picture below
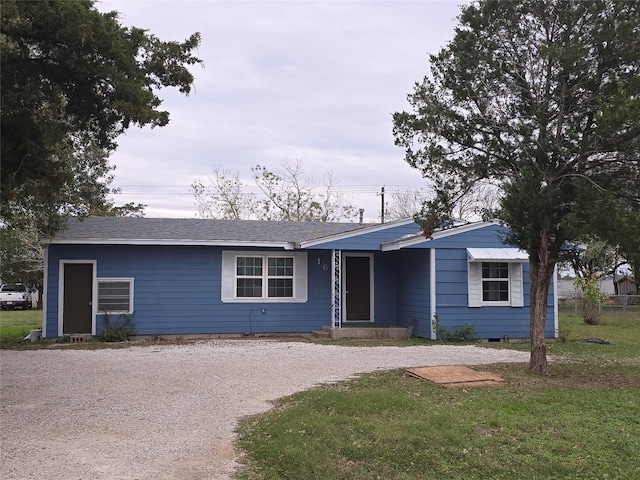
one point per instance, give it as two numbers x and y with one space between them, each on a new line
15 296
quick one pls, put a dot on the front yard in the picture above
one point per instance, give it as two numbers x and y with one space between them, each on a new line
583 421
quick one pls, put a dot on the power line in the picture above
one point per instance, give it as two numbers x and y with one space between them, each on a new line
252 190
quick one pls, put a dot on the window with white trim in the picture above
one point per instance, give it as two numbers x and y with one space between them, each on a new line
249 277
280 277
254 281
495 282
115 295
264 277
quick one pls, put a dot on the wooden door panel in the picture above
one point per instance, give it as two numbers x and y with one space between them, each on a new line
78 293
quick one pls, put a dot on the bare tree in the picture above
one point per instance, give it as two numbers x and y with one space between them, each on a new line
222 197
471 205
405 203
287 193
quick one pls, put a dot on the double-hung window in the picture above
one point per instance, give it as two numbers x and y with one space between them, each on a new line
270 277
495 282
249 277
280 277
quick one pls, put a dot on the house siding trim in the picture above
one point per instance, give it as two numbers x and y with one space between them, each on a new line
336 289
556 327
45 289
170 242
94 292
432 292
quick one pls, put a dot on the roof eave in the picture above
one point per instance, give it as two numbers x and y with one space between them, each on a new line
173 242
401 243
355 232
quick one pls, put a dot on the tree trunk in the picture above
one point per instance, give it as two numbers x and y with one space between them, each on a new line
40 301
541 272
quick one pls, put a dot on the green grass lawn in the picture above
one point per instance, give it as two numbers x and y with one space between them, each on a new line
580 422
15 325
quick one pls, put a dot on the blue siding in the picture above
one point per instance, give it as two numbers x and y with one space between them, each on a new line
488 237
413 290
177 291
177 288
385 305
452 300
452 290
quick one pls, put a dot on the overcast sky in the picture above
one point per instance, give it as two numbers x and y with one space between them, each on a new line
316 81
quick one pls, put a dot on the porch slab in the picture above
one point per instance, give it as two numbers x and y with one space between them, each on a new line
377 333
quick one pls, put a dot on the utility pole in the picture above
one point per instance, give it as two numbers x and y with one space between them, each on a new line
382 206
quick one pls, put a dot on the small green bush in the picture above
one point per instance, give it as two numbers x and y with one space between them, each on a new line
459 334
118 330
563 334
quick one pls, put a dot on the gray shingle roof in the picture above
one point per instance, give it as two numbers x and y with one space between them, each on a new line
175 230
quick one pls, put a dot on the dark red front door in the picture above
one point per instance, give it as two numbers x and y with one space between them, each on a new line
77 312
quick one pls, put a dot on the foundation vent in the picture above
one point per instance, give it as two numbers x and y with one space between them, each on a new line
79 338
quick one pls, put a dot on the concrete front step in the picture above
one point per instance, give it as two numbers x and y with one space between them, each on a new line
321 334
381 333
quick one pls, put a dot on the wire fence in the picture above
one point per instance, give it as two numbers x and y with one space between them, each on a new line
612 305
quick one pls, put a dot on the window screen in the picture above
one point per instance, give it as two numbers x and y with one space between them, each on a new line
115 295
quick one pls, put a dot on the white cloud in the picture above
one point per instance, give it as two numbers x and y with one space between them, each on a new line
316 81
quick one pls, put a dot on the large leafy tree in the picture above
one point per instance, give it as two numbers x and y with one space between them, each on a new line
84 188
616 219
40 210
543 98
73 79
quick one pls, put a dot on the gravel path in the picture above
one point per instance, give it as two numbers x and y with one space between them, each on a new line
169 412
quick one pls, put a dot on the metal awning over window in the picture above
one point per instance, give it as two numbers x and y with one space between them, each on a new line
511 255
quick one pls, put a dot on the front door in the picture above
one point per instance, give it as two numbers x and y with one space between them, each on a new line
358 288
77 312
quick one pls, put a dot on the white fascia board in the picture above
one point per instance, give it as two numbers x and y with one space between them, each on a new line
210 243
356 233
45 291
417 239
398 244
497 255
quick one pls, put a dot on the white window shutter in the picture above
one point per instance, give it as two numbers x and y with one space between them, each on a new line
517 294
300 279
227 283
474 283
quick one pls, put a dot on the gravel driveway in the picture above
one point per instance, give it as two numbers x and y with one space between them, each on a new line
169 412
